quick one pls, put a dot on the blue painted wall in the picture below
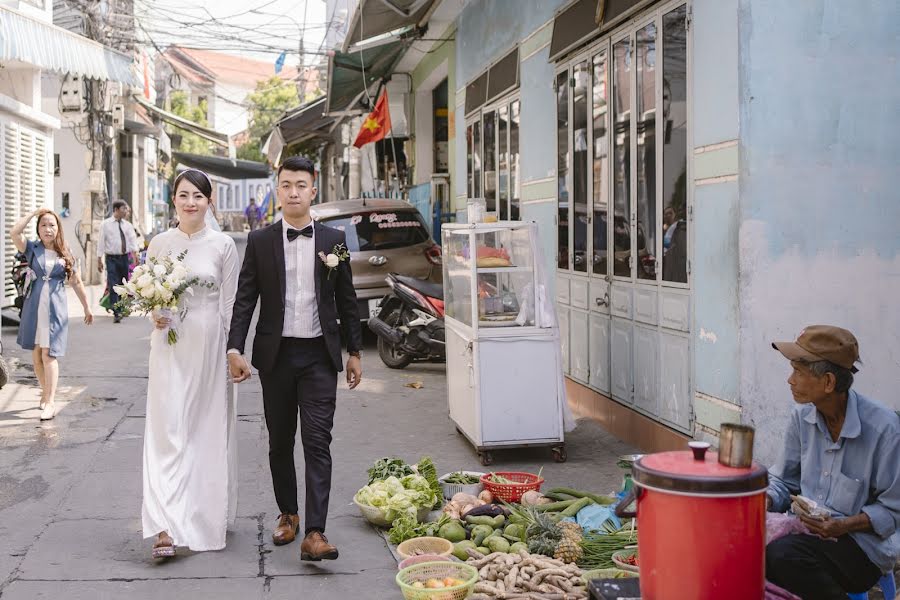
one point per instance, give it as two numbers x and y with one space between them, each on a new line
716 304
538 135
489 28
486 30
714 114
819 107
715 71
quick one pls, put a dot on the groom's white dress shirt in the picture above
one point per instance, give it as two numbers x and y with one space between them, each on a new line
301 312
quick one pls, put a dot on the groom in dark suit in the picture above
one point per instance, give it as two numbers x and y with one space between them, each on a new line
293 268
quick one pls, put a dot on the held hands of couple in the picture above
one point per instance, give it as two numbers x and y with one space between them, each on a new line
237 365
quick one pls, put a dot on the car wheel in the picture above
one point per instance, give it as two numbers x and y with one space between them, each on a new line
391 355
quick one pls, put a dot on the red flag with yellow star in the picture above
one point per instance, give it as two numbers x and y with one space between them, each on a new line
377 123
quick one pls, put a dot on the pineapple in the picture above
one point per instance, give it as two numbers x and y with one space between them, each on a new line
543 535
569 548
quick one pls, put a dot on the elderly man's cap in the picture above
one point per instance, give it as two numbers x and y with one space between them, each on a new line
822 342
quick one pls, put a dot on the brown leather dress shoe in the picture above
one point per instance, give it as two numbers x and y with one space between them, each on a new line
315 547
286 531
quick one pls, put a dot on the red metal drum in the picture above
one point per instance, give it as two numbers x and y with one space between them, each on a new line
701 527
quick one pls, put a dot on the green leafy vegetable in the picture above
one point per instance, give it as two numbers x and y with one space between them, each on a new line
460 478
398 496
388 467
406 528
426 469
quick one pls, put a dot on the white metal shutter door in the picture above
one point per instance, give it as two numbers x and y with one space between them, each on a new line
9 132
33 176
41 171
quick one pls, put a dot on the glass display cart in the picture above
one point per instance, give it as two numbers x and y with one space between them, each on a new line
503 365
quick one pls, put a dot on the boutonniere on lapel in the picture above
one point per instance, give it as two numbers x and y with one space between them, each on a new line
338 255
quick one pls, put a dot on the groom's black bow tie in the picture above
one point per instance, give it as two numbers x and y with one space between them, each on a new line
305 232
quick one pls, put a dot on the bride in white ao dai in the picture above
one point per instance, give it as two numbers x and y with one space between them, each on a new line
189 487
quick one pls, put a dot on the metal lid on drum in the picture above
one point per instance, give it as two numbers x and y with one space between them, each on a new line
697 473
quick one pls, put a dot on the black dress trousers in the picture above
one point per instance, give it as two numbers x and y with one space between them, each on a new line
304 378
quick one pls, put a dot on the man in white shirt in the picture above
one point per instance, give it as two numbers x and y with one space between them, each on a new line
115 245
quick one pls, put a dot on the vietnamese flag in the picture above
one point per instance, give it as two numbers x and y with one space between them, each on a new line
377 123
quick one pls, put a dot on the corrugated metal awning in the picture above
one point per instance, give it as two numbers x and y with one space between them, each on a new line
350 74
373 18
305 122
205 132
224 167
53 48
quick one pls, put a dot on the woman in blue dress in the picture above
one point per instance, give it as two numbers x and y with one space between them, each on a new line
44 325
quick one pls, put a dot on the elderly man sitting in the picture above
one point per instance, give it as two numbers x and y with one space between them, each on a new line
842 451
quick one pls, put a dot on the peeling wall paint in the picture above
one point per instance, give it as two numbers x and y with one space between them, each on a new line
819 235
708 336
780 295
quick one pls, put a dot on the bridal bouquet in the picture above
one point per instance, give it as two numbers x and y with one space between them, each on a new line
157 285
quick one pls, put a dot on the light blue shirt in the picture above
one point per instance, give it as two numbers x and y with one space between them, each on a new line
860 472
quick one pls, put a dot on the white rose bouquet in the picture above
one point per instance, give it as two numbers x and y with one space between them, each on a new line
157 285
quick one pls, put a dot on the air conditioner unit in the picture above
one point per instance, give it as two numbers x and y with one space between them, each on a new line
98 182
118 116
71 95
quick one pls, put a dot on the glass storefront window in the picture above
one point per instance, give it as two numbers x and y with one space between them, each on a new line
493 136
600 164
514 160
562 169
503 161
674 106
470 189
622 159
646 152
476 159
490 161
581 75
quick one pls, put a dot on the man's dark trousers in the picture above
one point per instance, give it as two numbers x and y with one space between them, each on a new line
817 569
304 379
116 271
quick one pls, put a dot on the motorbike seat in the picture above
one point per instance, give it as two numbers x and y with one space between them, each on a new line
433 290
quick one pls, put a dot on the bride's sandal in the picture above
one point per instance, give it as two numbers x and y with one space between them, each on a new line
164 547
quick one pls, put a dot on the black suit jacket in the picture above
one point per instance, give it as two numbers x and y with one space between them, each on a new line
263 278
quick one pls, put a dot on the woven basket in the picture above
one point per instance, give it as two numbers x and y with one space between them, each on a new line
451 489
425 545
414 560
620 554
512 492
437 570
375 516
587 576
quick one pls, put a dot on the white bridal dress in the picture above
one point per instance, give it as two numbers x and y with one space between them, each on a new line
190 476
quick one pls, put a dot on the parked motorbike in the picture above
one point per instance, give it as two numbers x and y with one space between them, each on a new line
410 322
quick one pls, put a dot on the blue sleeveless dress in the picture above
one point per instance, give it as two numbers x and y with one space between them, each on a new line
58 306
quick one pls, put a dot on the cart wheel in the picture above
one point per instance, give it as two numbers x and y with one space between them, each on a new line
559 454
486 458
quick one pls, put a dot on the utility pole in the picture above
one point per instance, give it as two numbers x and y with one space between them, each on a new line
94 108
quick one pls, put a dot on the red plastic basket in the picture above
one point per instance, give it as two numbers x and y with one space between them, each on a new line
511 492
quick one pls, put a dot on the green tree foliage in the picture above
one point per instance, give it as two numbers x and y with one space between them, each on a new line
270 101
190 142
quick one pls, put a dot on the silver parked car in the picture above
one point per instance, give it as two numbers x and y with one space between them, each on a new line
383 236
